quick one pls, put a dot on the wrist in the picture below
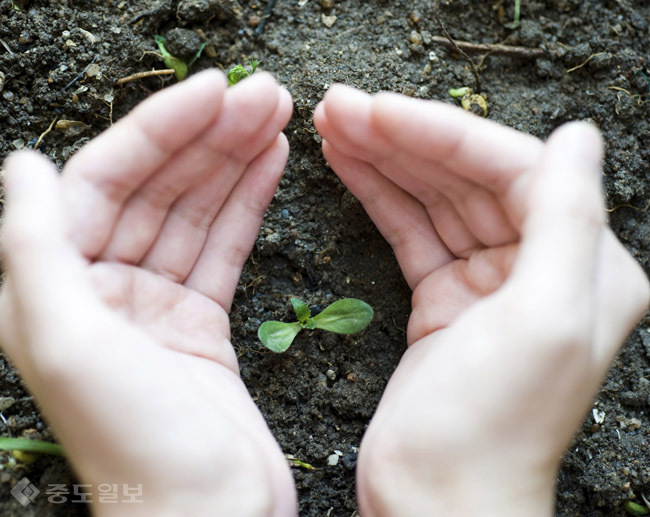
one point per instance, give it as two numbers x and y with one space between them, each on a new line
395 486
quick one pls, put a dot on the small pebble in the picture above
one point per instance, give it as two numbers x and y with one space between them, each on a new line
254 21
328 21
416 16
326 4
25 38
415 38
6 402
331 374
332 460
94 71
92 39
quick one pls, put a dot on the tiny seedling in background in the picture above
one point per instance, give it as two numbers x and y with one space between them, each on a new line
27 451
346 316
635 508
470 101
515 22
239 72
180 67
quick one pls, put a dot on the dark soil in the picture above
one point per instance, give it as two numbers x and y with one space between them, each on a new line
61 58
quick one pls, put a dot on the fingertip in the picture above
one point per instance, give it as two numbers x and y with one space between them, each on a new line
211 77
319 115
341 100
262 80
286 105
283 144
581 141
254 99
26 170
335 90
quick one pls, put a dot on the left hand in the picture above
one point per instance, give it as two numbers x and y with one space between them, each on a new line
120 277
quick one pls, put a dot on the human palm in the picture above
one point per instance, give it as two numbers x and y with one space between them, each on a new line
504 242
128 346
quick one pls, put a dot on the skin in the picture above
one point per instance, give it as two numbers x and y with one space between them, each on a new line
120 276
521 298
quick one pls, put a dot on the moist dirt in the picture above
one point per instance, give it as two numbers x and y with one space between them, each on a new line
59 64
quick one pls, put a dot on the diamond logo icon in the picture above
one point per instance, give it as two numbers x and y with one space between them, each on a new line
25 492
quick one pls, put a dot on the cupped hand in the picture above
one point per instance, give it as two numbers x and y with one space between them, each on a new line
120 277
521 297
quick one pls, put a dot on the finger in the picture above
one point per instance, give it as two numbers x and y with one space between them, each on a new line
343 119
233 233
241 131
43 266
479 150
108 170
183 234
146 210
346 121
563 226
400 218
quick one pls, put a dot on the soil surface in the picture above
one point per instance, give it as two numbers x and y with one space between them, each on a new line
60 59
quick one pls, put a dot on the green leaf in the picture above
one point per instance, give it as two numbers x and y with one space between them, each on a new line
459 92
180 67
346 316
302 311
278 336
238 72
635 509
27 445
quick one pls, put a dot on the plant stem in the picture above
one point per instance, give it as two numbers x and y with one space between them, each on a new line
470 62
515 23
24 444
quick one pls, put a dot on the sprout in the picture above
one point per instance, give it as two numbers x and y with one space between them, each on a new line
180 67
346 316
238 72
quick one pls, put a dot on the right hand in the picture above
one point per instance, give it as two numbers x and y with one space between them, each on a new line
521 298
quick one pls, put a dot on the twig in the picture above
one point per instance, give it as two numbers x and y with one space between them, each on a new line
44 133
142 75
491 48
267 13
472 65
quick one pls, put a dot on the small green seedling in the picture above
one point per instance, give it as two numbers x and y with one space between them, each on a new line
635 509
515 22
470 101
180 67
346 316
295 462
27 445
238 72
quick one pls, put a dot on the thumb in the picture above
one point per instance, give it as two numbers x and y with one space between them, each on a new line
42 264
564 221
